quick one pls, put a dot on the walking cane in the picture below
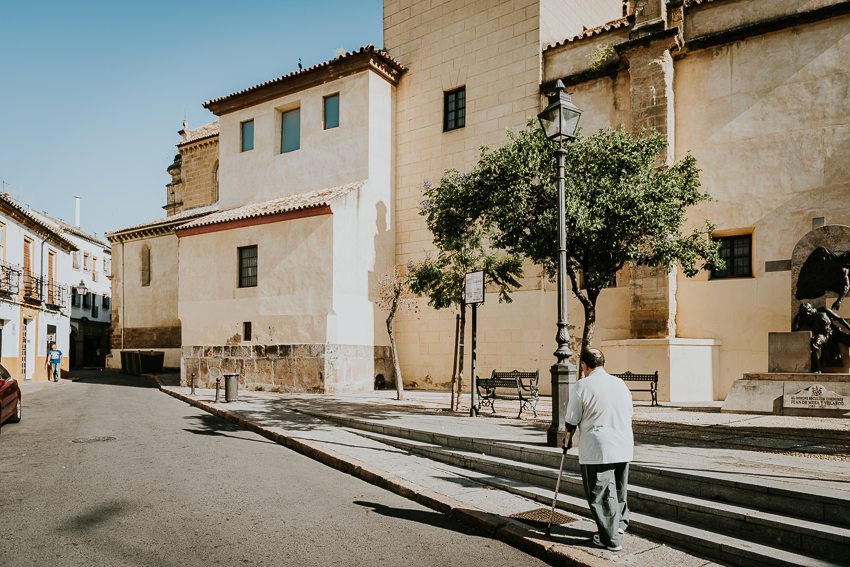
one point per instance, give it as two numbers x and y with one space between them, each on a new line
558 487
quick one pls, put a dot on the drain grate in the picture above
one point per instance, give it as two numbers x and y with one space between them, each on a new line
92 439
542 515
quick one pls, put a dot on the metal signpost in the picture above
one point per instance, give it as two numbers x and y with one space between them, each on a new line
473 294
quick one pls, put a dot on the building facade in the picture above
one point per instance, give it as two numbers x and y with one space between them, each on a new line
91 293
35 308
144 281
756 91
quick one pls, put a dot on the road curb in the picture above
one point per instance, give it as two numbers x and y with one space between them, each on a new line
489 524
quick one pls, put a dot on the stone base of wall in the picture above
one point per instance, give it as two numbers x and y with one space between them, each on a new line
296 368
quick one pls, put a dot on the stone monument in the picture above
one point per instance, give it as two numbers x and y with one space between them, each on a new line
808 366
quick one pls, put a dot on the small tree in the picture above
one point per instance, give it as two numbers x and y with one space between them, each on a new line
620 208
462 246
395 298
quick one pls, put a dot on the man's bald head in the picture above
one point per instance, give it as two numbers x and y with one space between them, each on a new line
593 358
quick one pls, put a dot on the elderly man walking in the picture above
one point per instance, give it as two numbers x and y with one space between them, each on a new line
600 407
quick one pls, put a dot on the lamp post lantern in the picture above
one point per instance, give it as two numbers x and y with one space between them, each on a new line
560 122
81 288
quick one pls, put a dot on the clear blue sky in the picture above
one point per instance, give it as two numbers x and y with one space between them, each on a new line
92 94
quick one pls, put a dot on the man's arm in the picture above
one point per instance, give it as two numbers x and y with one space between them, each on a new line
836 318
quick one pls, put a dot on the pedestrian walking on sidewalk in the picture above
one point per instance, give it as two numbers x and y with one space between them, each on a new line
600 407
54 359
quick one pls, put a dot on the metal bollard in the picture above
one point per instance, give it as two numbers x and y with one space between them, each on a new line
193 384
217 388
231 387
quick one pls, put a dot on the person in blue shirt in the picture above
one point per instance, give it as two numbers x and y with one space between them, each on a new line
54 359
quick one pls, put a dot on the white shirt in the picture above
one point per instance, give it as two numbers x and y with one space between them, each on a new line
601 406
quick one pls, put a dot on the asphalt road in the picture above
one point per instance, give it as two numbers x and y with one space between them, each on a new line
177 486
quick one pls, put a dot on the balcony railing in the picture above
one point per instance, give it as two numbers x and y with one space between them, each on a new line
32 285
55 294
10 278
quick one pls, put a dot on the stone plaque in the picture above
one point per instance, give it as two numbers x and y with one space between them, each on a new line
816 397
789 352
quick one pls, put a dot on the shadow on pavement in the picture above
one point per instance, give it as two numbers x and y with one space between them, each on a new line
424 517
213 426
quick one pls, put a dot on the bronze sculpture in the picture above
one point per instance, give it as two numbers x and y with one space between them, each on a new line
826 335
823 271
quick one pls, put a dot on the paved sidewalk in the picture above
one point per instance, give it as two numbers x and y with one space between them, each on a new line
290 415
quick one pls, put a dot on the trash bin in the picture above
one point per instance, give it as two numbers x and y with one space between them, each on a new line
231 387
151 362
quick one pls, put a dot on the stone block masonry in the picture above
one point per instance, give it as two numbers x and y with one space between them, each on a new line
295 368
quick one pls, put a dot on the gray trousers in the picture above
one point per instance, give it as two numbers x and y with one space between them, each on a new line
605 487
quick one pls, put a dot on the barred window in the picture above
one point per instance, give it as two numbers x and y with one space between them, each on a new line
248 266
737 252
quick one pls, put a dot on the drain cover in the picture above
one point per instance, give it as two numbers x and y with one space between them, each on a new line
542 515
92 439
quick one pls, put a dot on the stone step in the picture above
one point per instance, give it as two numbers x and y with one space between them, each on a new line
812 503
718 546
787 532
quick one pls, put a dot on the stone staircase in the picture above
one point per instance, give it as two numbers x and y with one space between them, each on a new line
734 519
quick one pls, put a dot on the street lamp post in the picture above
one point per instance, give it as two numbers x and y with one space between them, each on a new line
560 122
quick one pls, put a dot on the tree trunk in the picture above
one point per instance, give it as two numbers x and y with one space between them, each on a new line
460 357
399 383
589 319
454 364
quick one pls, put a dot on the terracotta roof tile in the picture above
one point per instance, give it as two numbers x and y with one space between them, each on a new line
367 49
299 201
182 216
71 229
604 28
54 231
206 131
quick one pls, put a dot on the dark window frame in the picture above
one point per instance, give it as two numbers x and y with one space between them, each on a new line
325 111
246 277
454 109
246 331
737 252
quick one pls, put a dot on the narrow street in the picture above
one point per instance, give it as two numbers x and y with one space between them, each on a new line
110 471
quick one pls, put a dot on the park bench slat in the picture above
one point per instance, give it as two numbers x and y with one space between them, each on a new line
527 395
651 378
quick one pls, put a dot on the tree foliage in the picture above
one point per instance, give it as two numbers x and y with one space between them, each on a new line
620 208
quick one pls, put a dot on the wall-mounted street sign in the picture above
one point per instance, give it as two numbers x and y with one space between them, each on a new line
473 291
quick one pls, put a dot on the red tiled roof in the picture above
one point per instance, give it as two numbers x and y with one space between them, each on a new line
299 201
368 49
182 216
206 131
604 28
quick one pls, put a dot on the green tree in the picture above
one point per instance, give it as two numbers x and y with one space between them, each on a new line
462 248
620 208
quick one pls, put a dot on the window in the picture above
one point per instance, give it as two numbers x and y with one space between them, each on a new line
75 298
248 266
454 109
146 265
290 131
736 251
94 269
215 184
105 302
247 135
94 310
107 265
87 302
246 331
331 118
86 258
51 276
75 256
2 242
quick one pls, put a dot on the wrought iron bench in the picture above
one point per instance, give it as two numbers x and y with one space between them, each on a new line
527 395
651 378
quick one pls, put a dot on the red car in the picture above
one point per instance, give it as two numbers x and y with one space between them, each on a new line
10 397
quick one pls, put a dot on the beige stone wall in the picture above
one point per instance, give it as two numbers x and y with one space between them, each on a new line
200 160
144 317
767 121
493 48
326 158
294 293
